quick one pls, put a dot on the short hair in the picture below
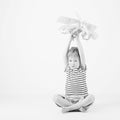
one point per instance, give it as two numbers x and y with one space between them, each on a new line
73 52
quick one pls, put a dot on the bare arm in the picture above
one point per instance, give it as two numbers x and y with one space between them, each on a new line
81 52
66 50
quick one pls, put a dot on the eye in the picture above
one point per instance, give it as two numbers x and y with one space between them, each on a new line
70 60
75 60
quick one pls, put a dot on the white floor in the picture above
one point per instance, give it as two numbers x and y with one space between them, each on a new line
41 107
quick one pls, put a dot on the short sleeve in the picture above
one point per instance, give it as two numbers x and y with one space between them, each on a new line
84 68
66 69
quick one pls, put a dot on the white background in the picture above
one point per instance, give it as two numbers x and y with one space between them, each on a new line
31 55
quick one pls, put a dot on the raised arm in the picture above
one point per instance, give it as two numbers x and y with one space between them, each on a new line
66 50
81 52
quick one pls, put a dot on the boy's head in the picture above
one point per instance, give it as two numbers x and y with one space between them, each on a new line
73 58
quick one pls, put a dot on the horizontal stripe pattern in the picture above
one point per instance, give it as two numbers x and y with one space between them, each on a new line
76 82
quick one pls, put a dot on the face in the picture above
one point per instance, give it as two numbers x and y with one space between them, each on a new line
73 62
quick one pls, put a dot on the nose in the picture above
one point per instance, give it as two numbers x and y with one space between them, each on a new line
73 64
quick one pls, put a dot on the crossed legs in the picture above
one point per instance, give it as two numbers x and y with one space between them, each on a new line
68 106
61 101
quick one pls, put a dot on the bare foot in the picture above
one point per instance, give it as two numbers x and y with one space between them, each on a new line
65 109
83 109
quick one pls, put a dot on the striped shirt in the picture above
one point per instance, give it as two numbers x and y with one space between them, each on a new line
75 83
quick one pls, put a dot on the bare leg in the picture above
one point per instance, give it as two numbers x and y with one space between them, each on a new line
61 101
88 100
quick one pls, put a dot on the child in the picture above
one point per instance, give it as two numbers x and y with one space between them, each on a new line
76 93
